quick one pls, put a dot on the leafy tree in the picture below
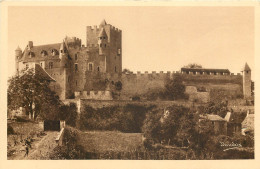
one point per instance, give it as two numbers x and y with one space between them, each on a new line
174 89
193 65
69 114
126 71
31 91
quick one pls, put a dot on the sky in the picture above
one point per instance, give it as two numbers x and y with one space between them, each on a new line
154 38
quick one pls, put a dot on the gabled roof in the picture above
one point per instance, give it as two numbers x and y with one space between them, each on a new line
40 71
36 50
246 68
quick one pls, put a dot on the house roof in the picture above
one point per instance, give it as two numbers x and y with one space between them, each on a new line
40 71
36 52
248 121
205 70
102 33
103 22
246 68
213 117
235 117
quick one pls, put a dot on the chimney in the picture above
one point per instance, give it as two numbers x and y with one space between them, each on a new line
30 44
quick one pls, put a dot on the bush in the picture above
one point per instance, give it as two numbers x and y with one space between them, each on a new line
10 130
69 114
125 119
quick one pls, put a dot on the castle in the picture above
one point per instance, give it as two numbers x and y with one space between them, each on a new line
94 71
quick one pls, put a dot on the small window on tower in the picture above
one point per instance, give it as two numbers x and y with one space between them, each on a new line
76 67
105 45
104 37
98 68
50 65
90 66
76 57
119 51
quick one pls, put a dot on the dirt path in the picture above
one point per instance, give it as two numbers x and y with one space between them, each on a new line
41 148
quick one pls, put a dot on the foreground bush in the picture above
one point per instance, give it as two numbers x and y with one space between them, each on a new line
126 119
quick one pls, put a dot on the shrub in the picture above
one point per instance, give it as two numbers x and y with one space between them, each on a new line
10 130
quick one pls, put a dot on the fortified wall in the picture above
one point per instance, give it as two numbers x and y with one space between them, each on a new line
142 84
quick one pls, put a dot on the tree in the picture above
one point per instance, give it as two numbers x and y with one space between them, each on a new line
174 89
193 65
126 71
31 91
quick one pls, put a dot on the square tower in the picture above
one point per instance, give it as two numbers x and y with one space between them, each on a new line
109 41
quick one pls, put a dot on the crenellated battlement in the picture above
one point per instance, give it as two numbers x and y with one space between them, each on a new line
96 28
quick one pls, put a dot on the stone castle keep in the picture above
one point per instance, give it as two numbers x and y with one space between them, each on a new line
94 71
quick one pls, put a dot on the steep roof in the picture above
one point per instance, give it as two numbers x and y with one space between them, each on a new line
102 33
205 70
18 48
36 51
246 68
40 71
103 23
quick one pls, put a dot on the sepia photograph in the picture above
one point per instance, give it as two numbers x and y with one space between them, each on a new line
130 83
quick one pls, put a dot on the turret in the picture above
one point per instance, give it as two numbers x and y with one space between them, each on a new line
63 55
246 82
102 41
18 55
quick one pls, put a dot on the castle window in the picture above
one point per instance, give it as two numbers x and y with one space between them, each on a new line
50 65
76 67
76 57
98 68
90 66
118 51
247 71
115 69
105 45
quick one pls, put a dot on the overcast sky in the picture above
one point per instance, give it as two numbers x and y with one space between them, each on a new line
154 38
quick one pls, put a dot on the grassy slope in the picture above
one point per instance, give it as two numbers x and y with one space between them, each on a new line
101 141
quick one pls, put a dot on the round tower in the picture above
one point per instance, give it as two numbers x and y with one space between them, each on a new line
63 56
247 82
18 56
102 42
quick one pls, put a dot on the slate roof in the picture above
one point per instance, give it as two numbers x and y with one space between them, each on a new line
205 70
42 72
102 33
246 68
36 51
103 23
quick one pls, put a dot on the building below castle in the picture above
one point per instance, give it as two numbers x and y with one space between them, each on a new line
94 71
